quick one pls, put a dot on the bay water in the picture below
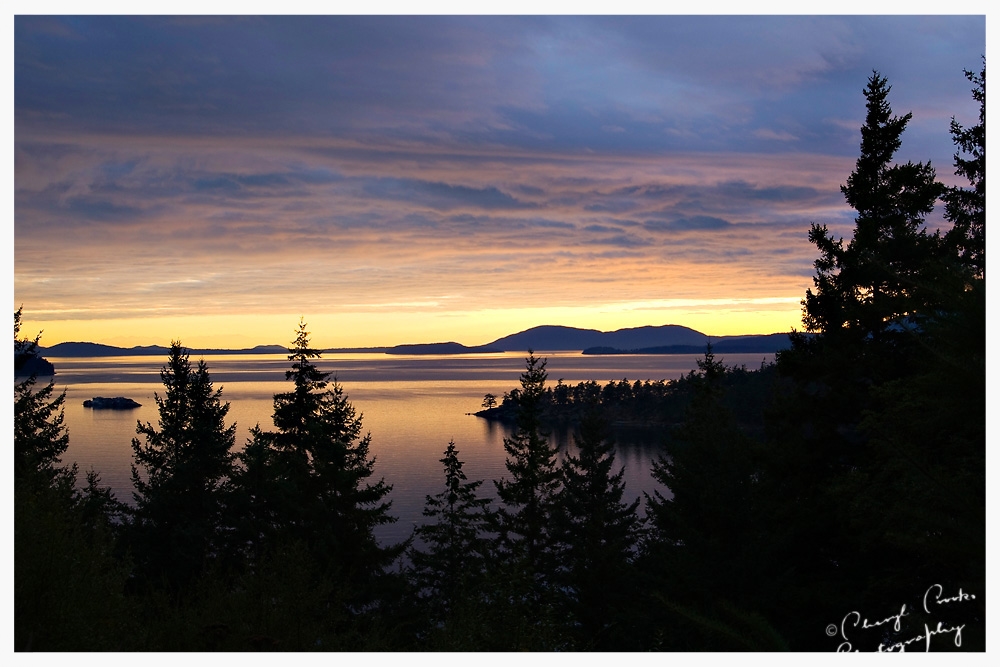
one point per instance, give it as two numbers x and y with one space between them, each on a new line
411 405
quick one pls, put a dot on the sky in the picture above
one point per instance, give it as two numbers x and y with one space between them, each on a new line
414 179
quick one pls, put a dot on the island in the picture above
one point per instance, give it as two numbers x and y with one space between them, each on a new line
116 403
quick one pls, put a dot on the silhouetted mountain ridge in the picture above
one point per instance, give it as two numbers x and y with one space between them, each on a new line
765 344
441 348
666 339
82 349
549 337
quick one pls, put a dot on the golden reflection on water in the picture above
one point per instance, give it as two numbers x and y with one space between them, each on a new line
412 406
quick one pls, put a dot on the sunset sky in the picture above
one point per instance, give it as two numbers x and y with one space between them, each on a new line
421 179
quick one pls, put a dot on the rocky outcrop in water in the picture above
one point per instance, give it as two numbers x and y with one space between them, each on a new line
116 403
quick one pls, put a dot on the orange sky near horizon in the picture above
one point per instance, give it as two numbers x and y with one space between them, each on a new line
448 178
570 252
722 318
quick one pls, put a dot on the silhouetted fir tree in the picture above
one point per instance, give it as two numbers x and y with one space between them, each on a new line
597 533
456 551
873 474
24 348
872 297
178 474
528 497
324 465
966 208
68 589
702 553
867 290
303 517
40 436
257 498
923 490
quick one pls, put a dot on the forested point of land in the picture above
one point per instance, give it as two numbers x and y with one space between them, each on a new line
653 405
833 500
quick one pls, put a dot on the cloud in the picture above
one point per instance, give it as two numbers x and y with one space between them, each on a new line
536 160
442 196
784 193
618 241
103 210
601 229
773 135
644 84
620 206
698 222
234 183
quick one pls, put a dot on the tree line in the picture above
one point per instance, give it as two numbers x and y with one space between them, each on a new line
656 406
847 476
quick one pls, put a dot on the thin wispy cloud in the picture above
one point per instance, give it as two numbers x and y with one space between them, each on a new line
215 165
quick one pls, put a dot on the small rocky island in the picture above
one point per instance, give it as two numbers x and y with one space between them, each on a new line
116 403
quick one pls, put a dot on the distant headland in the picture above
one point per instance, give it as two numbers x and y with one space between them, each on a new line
666 339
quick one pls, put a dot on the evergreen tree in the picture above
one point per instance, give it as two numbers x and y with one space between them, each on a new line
876 456
178 474
40 436
869 289
704 555
256 495
528 497
926 429
966 208
598 533
708 469
873 297
24 349
456 553
68 589
304 516
324 465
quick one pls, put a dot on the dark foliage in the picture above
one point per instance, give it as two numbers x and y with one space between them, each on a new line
849 475
597 533
528 496
872 291
650 407
307 483
876 458
68 589
455 556
40 438
702 560
966 208
178 474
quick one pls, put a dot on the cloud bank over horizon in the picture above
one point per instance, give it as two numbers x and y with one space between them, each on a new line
466 174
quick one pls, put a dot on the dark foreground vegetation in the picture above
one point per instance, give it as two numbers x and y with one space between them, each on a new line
834 499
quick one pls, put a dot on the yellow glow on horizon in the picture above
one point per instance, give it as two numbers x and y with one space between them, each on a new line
714 317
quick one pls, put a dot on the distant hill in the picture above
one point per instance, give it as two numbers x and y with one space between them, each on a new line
766 344
79 349
553 338
441 348
417 348
666 339
100 350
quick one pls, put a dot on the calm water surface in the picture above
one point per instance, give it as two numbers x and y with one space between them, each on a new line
412 405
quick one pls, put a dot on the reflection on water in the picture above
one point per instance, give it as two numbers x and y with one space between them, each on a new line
411 405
